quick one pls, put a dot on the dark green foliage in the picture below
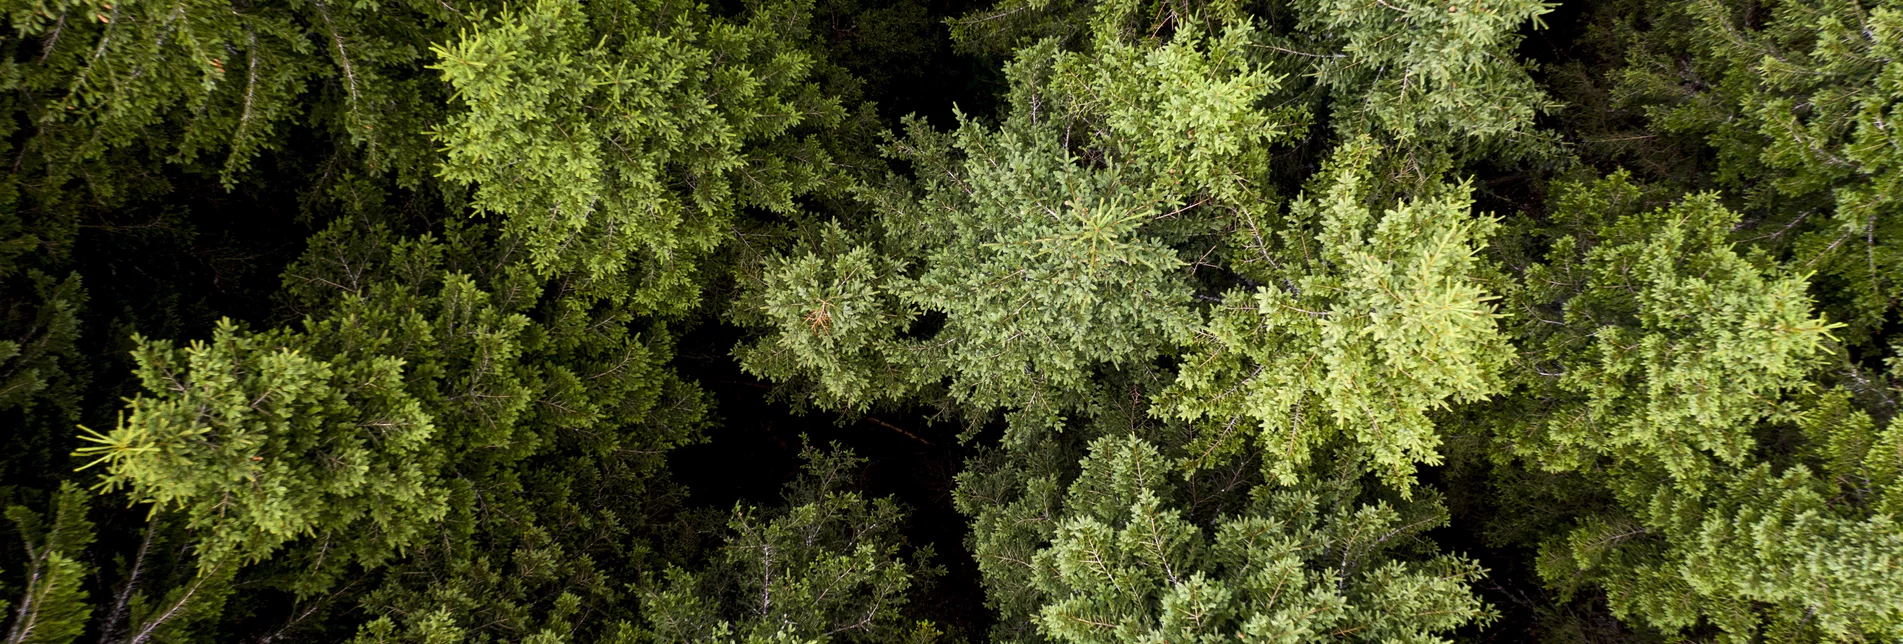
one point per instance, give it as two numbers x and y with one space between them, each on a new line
41 376
1304 320
53 608
828 567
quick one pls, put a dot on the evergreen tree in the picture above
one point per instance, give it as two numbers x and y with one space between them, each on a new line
1119 216
1677 360
828 567
1386 321
457 389
1785 106
389 322
1302 565
53 608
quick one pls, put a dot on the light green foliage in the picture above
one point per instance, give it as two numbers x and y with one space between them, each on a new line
582 124
1363 325
835 317
1859 457
53 608
1187 113
1784 555
829 567
1136 546
259 441
1043 272
434 627
1427 72
1047 243
1676 343
1302 565
1675 358
1794 101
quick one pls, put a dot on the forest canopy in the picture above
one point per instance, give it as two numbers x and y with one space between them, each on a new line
1066 321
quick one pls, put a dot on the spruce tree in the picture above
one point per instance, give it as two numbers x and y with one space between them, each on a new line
1316 320
827 567
53 608
1677 359
1113 256
454 389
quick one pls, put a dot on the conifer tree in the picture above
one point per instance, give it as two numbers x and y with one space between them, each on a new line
1045 266
1358 325
1301 565
1235 303
1785 107
53 609
827 567
1045 244
1678 357
487 383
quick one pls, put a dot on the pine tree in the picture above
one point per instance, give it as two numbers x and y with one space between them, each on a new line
1676 356
1359 325
385 315
53 609
489 384
1302 565
828 567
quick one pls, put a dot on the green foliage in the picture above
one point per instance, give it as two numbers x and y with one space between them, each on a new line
37 362
550 417
1676 343
1791 103
53 608
835 318
1045 243
1386 317
1676 356
1643 345
206 80
581 137
1430 75
436 377
42 377
1303 565
828 567
1761 554
1423 72
258 442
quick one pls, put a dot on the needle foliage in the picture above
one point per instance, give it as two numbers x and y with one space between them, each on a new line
1122 321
